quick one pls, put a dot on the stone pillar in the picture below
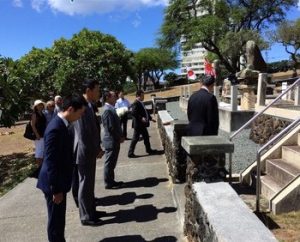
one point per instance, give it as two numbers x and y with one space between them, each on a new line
181 91
178 168
234 98
248 97
297 95
205 162
261 89
188 91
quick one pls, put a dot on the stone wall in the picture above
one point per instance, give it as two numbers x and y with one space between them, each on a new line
266 127
171 141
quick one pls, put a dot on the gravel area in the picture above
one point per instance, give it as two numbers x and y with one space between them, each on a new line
245 149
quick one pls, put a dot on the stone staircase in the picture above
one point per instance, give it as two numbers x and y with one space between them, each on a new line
281 182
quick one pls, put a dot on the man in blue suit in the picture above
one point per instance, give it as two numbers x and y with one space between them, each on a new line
55 177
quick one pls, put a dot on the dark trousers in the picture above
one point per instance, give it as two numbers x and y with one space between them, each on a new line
56 219
123 122
136 135
75 184
111 158
86 193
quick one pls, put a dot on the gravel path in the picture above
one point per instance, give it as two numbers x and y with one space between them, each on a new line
245 149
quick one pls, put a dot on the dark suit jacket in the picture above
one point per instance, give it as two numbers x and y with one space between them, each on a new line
57 168
112 128
87 137
138 112
203 114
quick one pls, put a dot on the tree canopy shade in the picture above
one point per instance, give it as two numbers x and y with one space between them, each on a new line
288 34
222 26
152 62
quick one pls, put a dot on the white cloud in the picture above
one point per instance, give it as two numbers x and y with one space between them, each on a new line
38 4
18 3
299 5
84 7
137 21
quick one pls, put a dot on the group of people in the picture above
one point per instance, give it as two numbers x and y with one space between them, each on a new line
72 143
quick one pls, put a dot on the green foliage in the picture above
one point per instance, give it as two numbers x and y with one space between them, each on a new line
13 99
152 62
170 78
288 34
222 26
62 68
129 87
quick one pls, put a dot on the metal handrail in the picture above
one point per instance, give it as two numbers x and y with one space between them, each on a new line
273 141
250 121
267 107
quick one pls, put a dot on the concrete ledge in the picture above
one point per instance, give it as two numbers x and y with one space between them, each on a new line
225 217
197 145
165 117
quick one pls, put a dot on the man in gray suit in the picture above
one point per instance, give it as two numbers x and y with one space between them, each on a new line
87 150
111 139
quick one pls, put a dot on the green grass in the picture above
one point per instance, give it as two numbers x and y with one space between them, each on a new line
14 168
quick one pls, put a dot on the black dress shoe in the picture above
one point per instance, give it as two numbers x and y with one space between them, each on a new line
114 185
100 214
151 152
94 222
132 156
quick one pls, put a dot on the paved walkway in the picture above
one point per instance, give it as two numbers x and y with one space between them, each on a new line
144 210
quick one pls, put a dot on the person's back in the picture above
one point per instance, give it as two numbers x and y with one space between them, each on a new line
203 113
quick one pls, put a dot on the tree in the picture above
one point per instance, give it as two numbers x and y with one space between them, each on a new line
62 68
152 62
288 34
13 100
222 26
170 78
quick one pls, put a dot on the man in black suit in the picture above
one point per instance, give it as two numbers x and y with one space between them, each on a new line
111 139
55 177
202 111
140 122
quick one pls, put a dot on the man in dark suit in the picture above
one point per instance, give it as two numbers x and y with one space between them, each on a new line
140 122
202 111
55 177
87 148
111 139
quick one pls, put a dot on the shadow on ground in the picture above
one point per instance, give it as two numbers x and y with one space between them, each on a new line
123 199
267 220
139 214
146 182
138 238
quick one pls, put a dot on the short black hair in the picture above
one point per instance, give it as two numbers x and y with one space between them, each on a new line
139 93
106 95
75 101
89 83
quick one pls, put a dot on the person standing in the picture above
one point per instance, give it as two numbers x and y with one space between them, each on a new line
58 104
111 139
38 124
87 148
202 111
55 177
49 111
140 122
122 102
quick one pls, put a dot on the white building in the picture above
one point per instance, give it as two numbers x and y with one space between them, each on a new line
193 59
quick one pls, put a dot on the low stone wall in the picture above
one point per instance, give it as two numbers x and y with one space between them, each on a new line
216 213
171 140
266 127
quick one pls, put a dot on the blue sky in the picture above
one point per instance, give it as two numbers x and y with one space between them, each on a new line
37 23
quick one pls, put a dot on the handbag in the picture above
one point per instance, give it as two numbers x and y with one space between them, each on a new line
29 134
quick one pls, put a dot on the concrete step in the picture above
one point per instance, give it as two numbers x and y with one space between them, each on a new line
269 186
281 171
292 155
